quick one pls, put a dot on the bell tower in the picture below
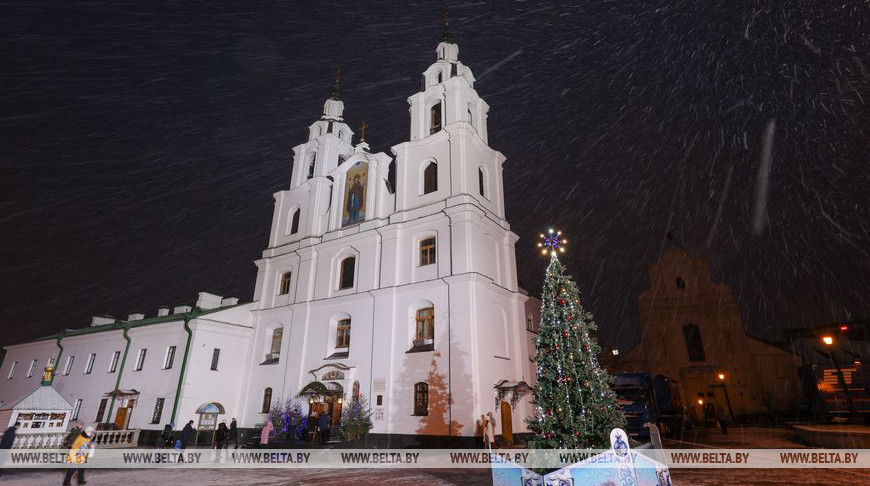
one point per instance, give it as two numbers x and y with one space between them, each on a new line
329 141
448 153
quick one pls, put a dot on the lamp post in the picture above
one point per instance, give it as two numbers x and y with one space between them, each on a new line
828 341
721 377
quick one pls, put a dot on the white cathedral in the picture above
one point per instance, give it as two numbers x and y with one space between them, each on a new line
393 277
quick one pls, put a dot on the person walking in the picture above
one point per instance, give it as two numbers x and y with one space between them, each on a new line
9 436
165 439
8 439
221 436
78 454
723 420
234 434
265 433
188 435
303 429
73 434
293 430
489 430
323 426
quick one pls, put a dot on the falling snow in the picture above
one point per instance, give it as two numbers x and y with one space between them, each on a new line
141 142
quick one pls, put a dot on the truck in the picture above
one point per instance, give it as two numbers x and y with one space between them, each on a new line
648 397
823 384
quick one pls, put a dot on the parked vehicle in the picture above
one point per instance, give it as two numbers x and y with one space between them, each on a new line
649 398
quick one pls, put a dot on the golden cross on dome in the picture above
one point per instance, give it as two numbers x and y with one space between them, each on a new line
362 132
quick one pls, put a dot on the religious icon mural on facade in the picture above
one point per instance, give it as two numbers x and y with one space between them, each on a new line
355 185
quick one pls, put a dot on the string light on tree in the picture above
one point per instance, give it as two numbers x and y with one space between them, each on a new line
576 407
552 242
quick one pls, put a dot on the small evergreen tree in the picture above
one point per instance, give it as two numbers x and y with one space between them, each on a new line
576 408
356 419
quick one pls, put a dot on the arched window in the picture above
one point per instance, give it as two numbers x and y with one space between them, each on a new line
294 222
430 178
480 182
435 117
267 400
348 266
424 332
342 334
284 288
421 398
681 284
694 344
440 76
427 251
470 117
275 348
311 165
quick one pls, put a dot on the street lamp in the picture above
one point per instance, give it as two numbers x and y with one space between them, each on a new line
828 340
721 377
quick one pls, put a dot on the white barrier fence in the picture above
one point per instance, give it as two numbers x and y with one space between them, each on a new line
104 439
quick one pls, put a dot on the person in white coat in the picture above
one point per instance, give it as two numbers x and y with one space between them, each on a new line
488 422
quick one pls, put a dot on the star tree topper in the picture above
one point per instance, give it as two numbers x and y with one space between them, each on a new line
552 242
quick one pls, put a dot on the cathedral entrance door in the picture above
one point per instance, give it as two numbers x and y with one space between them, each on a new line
507 428
335 412
121 417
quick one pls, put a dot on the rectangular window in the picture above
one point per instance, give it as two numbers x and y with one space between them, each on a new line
277 335
421 399
530 323
436 118
480 184
427 251
69 363
342 334
113 367
694 344
101 410
267 400
170 358
425 331
90 366
32 368
140 360
285 284
12 370
215 356
348 265
158 411
77 409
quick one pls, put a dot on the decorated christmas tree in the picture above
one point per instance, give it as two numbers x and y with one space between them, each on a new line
576 408
356 419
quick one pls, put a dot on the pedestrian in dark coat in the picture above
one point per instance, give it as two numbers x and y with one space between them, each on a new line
303 429
165 439
73 434
723 420
234 434
188 435
9 436
8 439
323 425
221 436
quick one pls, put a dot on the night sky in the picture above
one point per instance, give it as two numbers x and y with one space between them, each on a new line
141 143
